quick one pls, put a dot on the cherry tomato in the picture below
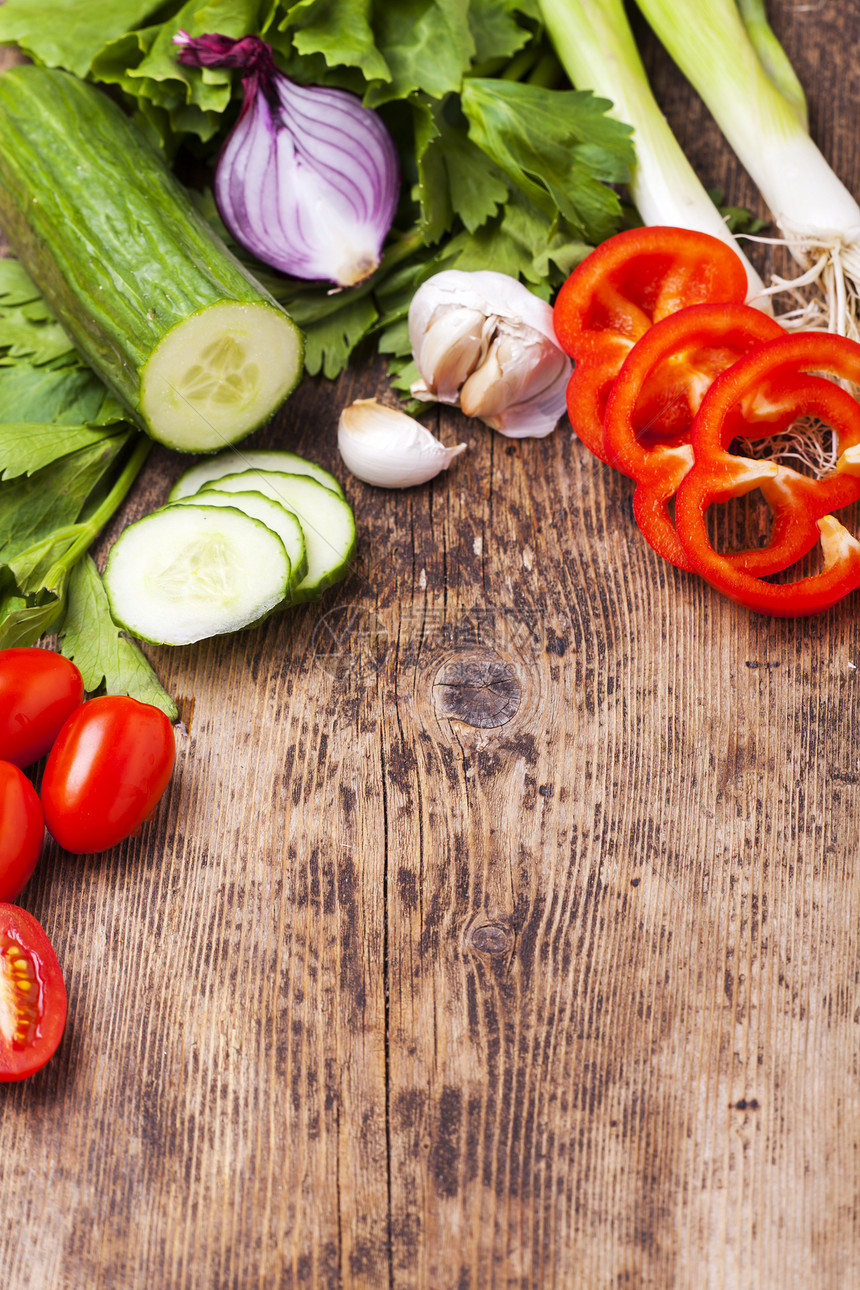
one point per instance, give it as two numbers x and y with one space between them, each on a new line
22 828
106 772
38 691
32 995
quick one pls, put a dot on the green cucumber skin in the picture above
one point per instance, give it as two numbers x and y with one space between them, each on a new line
105 231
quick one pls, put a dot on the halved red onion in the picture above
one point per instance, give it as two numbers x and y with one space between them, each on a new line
308 178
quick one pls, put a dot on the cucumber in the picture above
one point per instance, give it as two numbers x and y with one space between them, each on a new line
228 463
196 349
185 573
272 514
326 519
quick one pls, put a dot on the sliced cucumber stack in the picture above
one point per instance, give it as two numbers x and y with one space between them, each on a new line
274 516
326 519
237 459
224 557
185 573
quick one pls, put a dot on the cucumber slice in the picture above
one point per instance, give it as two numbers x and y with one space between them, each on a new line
217 376
326 519
272 514
229 463
185 573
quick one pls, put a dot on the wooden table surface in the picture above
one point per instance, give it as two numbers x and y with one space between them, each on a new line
499 928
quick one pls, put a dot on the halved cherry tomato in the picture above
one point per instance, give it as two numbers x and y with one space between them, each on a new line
22 828
106 772
32 995
38 691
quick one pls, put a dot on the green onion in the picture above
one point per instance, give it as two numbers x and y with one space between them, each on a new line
734 61
595 45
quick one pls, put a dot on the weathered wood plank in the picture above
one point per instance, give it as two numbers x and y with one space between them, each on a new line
498 928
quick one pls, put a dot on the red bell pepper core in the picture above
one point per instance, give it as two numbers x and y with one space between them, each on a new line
611 299
746 392
668 371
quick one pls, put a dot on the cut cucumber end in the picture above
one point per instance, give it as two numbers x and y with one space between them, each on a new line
185 573
218 375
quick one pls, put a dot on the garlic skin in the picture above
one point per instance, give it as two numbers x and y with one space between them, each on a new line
389 449
485 343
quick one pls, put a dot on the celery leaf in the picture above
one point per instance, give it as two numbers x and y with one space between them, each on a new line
454 176
69 395
28 329
34 506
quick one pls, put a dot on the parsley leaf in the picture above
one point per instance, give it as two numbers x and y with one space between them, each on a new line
427 44
68 395
738 218
495 28
32 506
454 176
60 481
26 446
558 147
103 654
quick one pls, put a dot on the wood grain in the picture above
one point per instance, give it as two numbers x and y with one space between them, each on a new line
499 926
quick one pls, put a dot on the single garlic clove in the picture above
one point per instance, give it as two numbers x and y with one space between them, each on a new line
387 448
454 344
521 382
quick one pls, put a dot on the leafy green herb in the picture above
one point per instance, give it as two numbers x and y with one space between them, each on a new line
70 395
738 218
53 504
60 481
559 148
28 330
27 447
102 652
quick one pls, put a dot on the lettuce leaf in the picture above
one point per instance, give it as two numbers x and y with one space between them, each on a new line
58 34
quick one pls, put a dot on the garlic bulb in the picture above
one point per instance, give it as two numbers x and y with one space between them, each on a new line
388 448
483 342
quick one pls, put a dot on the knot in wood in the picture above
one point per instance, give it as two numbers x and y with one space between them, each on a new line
480 691
493 939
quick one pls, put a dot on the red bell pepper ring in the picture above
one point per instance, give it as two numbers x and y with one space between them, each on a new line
676 361
624 286
747 389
